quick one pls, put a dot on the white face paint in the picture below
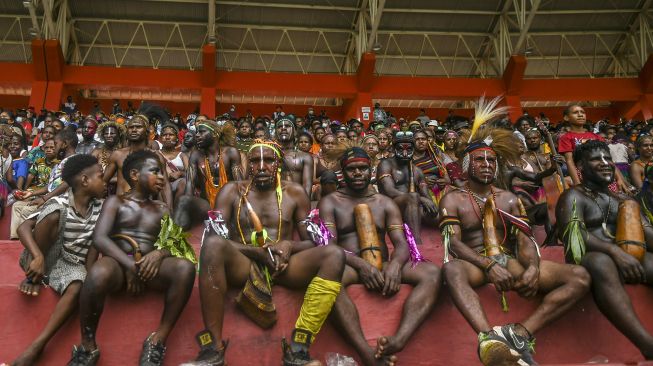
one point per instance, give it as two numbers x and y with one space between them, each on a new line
603 160
260 149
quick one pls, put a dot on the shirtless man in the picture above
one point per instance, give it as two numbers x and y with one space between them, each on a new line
561 284
227 262
134 216
610 267
138 140
214 163
298 163
89 126
112 134
393 179
337 210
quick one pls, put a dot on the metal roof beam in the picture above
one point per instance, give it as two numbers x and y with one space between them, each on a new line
395 10
356 39
622 44
314 54
376 12
211 22
535 4
333 30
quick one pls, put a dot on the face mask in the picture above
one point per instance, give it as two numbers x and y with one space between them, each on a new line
62 119
19 119
80 138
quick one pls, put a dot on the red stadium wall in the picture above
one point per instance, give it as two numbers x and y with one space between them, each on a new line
14 101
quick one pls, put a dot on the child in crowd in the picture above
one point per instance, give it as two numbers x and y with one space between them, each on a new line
141 247
58 249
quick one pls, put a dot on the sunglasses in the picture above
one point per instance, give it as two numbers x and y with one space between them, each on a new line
404 134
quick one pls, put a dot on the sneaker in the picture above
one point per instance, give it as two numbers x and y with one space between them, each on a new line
82 357
296 353
524 345
209 354
502 345
152 353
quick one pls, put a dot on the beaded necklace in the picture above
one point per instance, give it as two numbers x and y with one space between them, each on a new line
476 199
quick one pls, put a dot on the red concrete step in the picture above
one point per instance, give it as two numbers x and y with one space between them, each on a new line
445 338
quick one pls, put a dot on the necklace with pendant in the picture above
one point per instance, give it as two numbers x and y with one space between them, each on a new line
604 224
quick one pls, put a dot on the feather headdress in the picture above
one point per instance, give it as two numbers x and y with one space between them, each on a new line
486 110
339 150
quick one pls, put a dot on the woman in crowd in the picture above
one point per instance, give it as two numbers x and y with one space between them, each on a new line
385 143
429 161
305 142
176 161
645 150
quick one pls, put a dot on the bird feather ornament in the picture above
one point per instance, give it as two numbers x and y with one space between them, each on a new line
486 110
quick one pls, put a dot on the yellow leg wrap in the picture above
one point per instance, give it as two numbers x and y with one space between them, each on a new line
318 301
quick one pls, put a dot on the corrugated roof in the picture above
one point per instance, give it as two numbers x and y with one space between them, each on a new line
416 37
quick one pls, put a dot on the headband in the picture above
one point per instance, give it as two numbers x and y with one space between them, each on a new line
353 155
266 144
479 145
370 136
284 119
207 126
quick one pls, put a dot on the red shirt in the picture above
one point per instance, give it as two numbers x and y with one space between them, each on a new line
569 141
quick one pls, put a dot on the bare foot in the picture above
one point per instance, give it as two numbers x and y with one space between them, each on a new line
29 288
370 359
387 346
381 358
29 356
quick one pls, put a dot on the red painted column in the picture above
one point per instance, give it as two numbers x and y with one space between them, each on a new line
208 103
513 76
627 110
646 105
48 63
40 83
646 81
361 106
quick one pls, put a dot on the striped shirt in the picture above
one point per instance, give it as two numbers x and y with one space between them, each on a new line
76 231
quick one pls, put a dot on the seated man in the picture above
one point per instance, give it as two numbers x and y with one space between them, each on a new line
129 227
276 208
399 179
337 211
517 267
58 248
594 208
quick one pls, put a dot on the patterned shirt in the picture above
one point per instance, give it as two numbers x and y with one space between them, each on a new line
55 175
41 171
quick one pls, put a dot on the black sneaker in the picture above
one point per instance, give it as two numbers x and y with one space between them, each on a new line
82 357
502 345
209 354
296 353
524 345
152 353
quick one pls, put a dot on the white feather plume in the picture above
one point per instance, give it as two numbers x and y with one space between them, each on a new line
486 110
